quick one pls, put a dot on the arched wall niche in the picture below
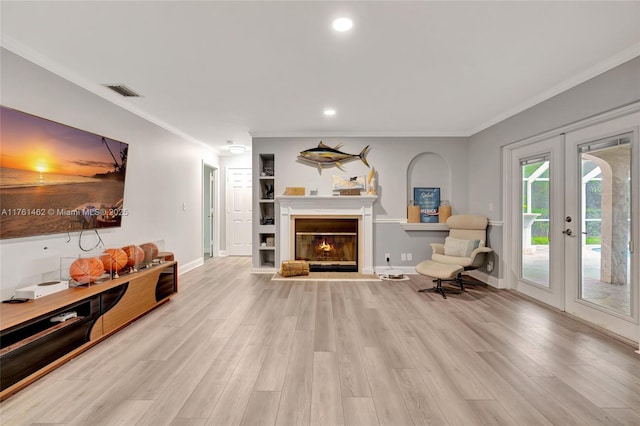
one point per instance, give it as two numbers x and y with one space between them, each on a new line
429 170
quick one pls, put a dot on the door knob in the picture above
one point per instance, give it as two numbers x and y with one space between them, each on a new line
568 232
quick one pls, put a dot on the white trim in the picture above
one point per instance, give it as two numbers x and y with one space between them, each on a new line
362 134
97 89
361 207
486 278
189 266
105 93
506 165
387 221
424 226
577 125
598 69
407 270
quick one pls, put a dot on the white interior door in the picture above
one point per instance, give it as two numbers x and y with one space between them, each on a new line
239 211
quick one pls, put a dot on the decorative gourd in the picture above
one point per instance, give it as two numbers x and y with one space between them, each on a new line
114 259
86 270
150 251
135 254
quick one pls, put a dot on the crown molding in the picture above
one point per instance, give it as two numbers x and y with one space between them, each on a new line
97 89
360 134
599 68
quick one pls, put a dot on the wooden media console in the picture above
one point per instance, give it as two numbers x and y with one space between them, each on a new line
31 345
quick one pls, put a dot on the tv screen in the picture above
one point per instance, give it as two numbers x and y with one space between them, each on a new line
56 179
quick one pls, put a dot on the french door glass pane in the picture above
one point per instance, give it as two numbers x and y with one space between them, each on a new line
535 221
605 226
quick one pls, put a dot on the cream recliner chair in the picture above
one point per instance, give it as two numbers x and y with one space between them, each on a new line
464 249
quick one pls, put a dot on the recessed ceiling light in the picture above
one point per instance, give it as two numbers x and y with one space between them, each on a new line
342 24
237 149
329 111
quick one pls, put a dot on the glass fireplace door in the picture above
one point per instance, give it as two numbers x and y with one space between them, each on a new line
328 244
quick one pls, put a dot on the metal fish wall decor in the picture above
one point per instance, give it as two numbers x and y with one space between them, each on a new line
324 155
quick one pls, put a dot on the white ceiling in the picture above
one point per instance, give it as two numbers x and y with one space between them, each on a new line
218 71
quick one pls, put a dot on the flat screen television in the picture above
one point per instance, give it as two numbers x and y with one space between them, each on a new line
57 179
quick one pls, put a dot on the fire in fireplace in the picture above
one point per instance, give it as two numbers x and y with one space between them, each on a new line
328 244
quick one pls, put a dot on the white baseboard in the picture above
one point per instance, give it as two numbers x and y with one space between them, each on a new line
485 278
189 266
409 270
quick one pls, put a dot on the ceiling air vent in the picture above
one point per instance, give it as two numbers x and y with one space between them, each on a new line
123 90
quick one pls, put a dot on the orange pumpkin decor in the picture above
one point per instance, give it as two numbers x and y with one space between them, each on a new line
150 251
135 254
86 270
114 259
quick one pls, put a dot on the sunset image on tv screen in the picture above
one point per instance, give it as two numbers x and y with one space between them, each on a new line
55 178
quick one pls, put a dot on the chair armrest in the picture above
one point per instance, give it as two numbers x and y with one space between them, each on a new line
480 250
438 248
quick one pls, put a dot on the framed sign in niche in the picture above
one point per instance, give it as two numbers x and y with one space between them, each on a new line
428 199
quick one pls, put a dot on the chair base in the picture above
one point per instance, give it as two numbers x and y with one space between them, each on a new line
458 281
439 289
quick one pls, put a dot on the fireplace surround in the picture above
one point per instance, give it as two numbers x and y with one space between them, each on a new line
317 208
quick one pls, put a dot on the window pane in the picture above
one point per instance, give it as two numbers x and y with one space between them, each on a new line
535 222
605 226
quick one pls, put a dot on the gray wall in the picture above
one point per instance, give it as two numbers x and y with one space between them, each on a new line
391 158
615 88
164 173
475 163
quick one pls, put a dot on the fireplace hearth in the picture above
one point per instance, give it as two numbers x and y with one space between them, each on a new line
327 244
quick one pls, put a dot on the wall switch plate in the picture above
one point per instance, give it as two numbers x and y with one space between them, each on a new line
403 257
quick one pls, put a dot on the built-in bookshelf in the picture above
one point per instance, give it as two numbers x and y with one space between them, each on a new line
266 234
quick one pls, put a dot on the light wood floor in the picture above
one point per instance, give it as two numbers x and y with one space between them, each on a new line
234 348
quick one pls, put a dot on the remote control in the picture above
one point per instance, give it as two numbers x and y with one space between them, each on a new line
63 317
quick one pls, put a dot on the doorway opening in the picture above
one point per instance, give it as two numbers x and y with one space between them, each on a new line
209 218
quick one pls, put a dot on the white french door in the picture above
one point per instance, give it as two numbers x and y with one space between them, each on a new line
537 194
601 181
572 208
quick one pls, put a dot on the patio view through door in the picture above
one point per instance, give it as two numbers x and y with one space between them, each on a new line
571 212
537 193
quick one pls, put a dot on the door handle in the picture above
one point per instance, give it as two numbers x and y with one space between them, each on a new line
568 232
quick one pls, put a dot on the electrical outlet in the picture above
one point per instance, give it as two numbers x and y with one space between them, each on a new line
403 257
409 257
490 266
387 257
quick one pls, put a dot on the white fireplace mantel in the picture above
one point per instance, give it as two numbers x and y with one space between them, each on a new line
326 205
